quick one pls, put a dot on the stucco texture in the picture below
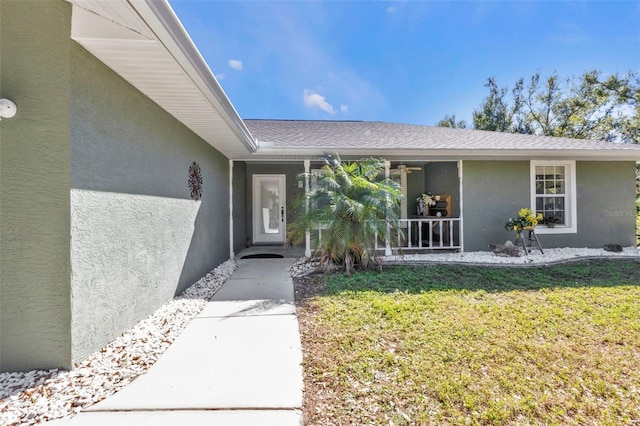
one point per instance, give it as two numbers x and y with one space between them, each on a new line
493 191
239 206
138 237
606 205
442 178
34 186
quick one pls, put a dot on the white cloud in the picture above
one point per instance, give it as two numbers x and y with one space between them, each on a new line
315 100
236 64
221 76
391 9
290 51
344 108
355 92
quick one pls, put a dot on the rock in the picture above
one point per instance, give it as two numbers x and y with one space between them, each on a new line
613 247
303 266
38 395
506 249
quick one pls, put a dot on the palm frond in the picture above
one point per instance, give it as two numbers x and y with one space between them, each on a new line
355 204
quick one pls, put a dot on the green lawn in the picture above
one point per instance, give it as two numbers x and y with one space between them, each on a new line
475 345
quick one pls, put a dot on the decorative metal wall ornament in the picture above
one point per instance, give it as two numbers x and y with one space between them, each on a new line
195 181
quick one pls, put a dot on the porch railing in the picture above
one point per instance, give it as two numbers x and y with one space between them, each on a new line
429 234
423 234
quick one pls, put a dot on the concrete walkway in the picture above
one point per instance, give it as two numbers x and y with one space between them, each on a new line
237 363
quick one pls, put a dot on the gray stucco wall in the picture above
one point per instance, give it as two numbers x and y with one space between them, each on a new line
291 170
138 238
493 191
606 206
415 187
240 203
34 186
442 178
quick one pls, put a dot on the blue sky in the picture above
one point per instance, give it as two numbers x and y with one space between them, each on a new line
401 61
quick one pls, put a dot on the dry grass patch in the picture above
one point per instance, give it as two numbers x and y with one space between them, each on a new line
470 345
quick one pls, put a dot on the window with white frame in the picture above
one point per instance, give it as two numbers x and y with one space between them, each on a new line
553 193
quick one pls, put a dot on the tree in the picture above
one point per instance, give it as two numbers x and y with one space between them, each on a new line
589 107
450 121
495 115
353 203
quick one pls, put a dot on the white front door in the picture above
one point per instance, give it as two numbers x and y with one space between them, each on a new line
269 208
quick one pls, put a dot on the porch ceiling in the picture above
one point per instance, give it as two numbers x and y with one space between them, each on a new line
145 43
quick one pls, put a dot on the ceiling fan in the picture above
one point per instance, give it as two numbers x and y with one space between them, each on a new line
402 168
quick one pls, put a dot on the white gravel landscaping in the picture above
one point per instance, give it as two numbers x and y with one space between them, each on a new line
550 256
41 395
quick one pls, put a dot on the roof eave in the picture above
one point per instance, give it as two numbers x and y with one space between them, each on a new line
163 21
287 153
144 42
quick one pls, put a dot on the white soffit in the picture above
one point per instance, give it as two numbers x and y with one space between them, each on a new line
145 43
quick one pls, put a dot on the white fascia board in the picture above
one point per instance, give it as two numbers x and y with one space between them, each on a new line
168 29
450 154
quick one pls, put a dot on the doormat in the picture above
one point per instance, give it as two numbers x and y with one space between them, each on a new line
263 256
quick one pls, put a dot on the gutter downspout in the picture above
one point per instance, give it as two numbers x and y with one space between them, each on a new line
231 252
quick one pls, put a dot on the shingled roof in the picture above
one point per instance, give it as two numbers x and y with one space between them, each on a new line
286 138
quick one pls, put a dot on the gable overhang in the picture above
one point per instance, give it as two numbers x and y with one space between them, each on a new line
144 42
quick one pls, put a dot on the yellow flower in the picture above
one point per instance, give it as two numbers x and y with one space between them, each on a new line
527 218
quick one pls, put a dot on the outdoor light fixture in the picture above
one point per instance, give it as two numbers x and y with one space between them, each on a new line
7 108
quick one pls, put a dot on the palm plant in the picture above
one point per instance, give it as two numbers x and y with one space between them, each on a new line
353 203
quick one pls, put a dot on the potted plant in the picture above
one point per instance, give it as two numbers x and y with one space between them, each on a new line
424 202
551 221
527 219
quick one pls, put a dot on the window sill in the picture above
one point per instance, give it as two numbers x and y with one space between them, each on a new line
544 229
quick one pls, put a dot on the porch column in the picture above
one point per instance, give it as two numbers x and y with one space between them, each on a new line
231 253
387 237
307 236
